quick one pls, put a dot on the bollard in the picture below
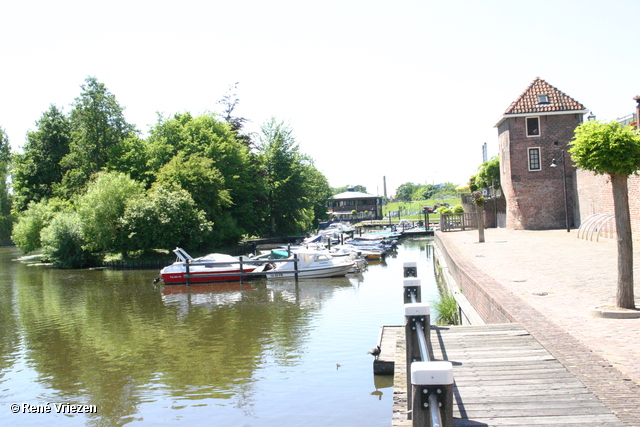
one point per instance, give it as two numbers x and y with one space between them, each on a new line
417 337
432 386
412 291
410 269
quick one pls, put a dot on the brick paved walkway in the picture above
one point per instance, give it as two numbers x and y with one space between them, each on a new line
547 281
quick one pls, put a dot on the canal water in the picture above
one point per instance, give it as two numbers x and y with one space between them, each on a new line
267 353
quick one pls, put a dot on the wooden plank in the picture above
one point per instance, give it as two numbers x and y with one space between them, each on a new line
504 377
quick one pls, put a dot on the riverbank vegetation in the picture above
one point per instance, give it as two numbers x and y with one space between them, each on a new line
87 185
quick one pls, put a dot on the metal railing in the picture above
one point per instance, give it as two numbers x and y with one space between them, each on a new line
430 389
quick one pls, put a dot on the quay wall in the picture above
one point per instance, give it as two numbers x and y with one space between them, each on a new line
476 286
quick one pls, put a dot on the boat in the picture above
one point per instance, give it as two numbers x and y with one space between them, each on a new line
311 264
213 267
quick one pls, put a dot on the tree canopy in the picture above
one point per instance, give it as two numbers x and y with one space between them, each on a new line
87 184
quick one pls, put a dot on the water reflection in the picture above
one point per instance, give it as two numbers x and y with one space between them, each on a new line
142 352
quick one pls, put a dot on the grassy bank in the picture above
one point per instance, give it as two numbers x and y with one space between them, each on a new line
413 210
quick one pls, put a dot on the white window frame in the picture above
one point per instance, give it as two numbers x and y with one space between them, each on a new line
526 123
529 150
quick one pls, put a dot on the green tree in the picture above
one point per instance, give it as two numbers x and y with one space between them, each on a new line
230 101
488 174
97 125
318 192
284 178
207 136
38 170
101 208
206 185
424 192
164 218
613 149
5 197
405 191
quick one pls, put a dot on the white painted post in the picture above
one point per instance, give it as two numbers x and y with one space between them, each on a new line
412 286
416 328
410 269
432 385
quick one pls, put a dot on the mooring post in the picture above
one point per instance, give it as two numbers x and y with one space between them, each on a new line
412 292
295 266
432 394
417 317
241 270
188 273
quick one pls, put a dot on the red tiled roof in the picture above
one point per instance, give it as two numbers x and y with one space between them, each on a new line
528 102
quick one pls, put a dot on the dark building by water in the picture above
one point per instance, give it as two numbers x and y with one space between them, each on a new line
366 206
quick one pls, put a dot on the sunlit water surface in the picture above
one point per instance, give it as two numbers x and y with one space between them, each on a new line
267 353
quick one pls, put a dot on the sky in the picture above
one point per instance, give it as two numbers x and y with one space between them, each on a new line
374 91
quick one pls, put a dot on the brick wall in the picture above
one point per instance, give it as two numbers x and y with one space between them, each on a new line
473 283
595 196
535 199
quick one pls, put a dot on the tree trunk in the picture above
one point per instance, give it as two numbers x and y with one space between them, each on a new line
480 209
624 295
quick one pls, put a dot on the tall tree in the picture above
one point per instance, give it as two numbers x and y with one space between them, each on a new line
5 197
230 101
97 124
284 179
38 170
207 136
613 149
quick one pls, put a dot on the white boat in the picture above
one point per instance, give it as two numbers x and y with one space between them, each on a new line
311 264
209 268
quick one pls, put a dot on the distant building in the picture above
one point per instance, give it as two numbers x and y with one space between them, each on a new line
366 206
533 133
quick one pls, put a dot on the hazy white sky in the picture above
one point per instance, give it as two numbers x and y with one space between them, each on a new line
405 89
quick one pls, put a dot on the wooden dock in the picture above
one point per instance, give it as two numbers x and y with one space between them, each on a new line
504 377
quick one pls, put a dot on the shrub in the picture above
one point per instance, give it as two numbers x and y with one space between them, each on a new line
444 210
458 209
63 244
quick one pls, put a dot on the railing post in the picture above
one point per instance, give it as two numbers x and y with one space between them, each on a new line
412 290
410 269
432 394
417 318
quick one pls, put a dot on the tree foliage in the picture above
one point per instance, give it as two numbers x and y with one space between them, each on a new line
37 171
26 231
63 243
5 197
164 218
101 207
488 175
97 125
405 191
284 178
88 183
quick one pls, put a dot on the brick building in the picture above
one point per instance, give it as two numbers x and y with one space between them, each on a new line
533 134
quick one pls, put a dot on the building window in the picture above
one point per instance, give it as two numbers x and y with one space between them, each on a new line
533 126
534 159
